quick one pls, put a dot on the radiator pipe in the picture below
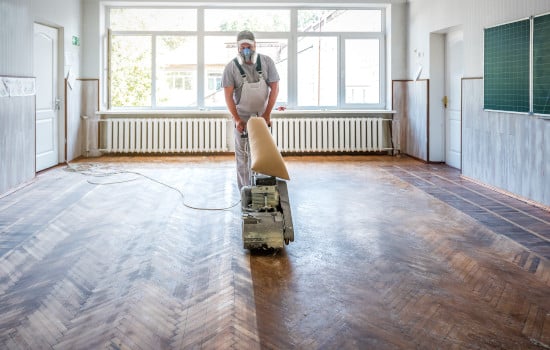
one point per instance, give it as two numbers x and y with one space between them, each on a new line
86 143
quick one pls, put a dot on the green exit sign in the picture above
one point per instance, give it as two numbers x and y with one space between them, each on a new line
76 40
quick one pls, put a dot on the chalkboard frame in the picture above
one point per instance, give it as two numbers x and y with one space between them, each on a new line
541 64
507 67
516 66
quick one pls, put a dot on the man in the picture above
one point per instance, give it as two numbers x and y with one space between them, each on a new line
251 86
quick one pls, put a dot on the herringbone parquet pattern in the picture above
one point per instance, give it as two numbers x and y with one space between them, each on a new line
389 254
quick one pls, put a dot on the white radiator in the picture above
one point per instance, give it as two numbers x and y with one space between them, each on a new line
329 134
210 135
164 135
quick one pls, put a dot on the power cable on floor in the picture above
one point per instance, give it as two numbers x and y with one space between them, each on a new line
91 170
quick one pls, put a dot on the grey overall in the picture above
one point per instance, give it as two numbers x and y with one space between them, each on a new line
254 97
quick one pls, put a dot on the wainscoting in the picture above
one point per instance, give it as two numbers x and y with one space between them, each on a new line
509 151
411 120
17 147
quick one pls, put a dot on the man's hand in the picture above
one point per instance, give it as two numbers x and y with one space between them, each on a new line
267 118
240 125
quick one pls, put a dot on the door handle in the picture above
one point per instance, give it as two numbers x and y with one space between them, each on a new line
445 101
57 104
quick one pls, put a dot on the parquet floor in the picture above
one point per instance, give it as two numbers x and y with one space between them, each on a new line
390 253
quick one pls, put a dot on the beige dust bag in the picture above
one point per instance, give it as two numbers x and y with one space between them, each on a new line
266 158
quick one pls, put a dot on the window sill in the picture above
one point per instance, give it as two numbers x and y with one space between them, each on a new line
217 113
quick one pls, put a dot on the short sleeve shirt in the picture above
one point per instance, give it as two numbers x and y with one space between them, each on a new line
232 76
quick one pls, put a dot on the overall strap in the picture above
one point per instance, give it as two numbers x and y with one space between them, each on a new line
258 66
241 70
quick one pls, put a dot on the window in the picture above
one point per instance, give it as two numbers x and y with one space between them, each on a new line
162 58
317 71
151 19
339 20
176 68
234 20
362 77
131 83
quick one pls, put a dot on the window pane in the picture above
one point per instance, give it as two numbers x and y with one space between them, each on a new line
362 71
256 20
131 71
153 19
176 71
220 50
340 21
317 71
277 49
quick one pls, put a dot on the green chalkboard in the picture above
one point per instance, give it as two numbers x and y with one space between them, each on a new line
541 65
506 67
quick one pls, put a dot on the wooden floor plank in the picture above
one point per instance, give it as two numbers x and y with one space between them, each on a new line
390 253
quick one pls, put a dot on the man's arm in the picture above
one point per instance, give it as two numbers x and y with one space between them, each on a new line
239 124
273 93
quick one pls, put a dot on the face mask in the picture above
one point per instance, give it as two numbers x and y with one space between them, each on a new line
247 54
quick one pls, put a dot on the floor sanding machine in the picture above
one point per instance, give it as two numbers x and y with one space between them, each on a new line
266 217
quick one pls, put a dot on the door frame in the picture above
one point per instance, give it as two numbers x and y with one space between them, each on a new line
60 90
438 123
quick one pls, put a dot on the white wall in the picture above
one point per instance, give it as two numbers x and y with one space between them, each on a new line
398 39
64 14
15 28
427 16
513 158
17 114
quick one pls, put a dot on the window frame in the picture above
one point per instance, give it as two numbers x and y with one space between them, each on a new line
291 37
381 70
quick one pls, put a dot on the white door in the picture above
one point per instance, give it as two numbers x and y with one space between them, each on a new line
454 57
47 101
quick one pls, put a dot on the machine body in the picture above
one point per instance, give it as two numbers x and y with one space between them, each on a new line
267 222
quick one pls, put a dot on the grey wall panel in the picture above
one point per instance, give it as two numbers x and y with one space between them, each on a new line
89 108
399 105
17 115
17 147
510 151
410 101
75 125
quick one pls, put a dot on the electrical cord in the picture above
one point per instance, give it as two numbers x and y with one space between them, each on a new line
91 170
